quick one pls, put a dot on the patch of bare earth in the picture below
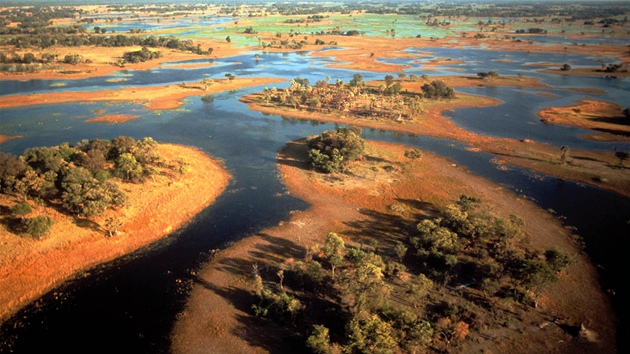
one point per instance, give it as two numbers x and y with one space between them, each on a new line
30 267
113 118
383 196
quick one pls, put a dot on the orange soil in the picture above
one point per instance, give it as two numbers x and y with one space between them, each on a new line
113 118
30 268
608 118
5 138
153 97
218 313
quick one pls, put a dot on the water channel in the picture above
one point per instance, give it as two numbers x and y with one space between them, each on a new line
131 303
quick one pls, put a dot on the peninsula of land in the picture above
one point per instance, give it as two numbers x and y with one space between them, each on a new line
381 199
30 267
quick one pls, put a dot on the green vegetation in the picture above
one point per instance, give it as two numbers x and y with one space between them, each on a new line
141 55
430 288
386 101
333 150
79 180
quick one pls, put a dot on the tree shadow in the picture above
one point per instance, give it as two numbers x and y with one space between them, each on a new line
376 159
5 210
426 209
295 154
278 247
257 332
87 224
386 228
613 131
619 120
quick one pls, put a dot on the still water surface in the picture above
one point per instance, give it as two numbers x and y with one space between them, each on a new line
131 303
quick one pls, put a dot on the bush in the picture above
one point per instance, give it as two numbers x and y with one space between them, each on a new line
333 149
39 226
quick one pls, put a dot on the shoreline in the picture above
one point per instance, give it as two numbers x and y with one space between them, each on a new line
29 268
218 313
153 97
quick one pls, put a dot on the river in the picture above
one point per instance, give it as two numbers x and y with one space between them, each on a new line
130 304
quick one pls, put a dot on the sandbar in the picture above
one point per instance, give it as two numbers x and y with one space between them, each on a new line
605 117
153 97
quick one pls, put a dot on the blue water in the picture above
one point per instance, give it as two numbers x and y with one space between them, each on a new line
140 293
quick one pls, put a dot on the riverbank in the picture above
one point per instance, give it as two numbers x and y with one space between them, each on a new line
606 118
29 268
219 316
152 97
597 168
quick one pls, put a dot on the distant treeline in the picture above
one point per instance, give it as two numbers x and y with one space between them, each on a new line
49 40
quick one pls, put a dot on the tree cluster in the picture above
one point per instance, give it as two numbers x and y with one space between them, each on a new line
386 101
141 55
333 149
532 31
78 178
119 40
407 296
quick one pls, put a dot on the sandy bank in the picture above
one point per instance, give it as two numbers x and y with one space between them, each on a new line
113 118
153 97
605 117
218 313
30 268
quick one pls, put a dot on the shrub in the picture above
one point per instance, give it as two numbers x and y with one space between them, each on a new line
333 149
39 226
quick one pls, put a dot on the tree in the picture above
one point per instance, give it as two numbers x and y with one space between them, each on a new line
357 80
413 154
401 250
85 196
319 340
111 225
228 39
334 249
622 156
128 167
368 333
437 89
565 153
534 275
39 226
334 148
389 80
21 209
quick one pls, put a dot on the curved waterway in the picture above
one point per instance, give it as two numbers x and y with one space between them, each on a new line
130 304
